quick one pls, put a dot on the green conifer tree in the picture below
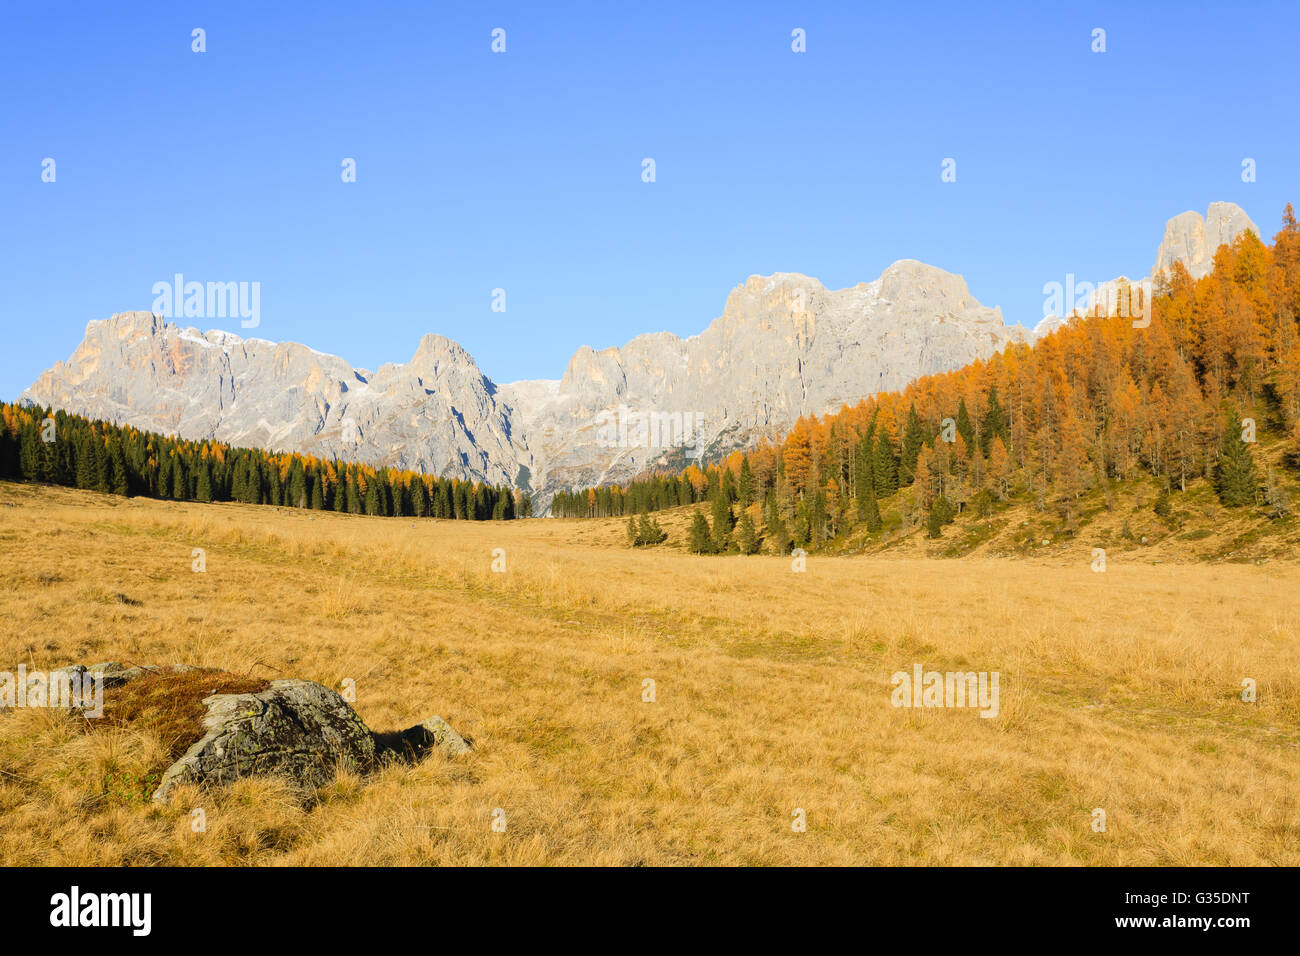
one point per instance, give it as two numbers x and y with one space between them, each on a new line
1235 477
700 541
747 535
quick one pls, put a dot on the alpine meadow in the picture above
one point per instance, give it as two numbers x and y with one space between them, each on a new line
741 437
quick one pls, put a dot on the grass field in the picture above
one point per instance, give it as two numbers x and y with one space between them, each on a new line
1119 690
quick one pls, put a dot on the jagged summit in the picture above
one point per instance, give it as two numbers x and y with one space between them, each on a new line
1193 240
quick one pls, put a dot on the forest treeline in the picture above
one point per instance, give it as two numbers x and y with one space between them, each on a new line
1180 395
38 444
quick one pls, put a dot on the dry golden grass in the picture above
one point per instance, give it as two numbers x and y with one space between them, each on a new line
1118 690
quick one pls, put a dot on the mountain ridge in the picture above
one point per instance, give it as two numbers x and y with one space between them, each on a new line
783 347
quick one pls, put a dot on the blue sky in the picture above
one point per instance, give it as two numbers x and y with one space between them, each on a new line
522 170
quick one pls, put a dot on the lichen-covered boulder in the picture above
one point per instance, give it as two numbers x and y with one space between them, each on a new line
296 728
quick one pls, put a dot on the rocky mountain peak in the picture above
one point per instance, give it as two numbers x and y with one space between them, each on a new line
1193 239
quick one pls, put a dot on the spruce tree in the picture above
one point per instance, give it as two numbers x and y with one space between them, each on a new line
872 516
802 527
941 513
913 439
203 481
964 427
885 467
700 541
722 521
995 422
178 479
1162 506
648 532
119 477
296 495
1235 478
85 463
746 535
103 467
29 453
419 498
745 487
934 521
817 517
864 489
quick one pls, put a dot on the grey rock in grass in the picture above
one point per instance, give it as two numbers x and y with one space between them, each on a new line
295 728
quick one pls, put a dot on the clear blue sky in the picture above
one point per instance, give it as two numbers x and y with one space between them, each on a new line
523 170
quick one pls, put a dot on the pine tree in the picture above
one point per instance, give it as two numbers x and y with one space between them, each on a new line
700 540
802 527
913 439
296 493
1235 478
648 532
995 422
885 467
779 536
85 463
203 481
746 535
818 517
178 479
419 498
165 480
964 427
1162 506
941 513
274 490
722 522
103 465
872 516
745 486
863 485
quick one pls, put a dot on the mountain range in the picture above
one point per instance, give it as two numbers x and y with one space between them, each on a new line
784 346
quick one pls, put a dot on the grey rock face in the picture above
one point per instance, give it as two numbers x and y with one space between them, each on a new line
436 414
1193 241
295 728
784 346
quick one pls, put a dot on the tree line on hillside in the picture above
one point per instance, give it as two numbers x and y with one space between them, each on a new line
38 444
1179 395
